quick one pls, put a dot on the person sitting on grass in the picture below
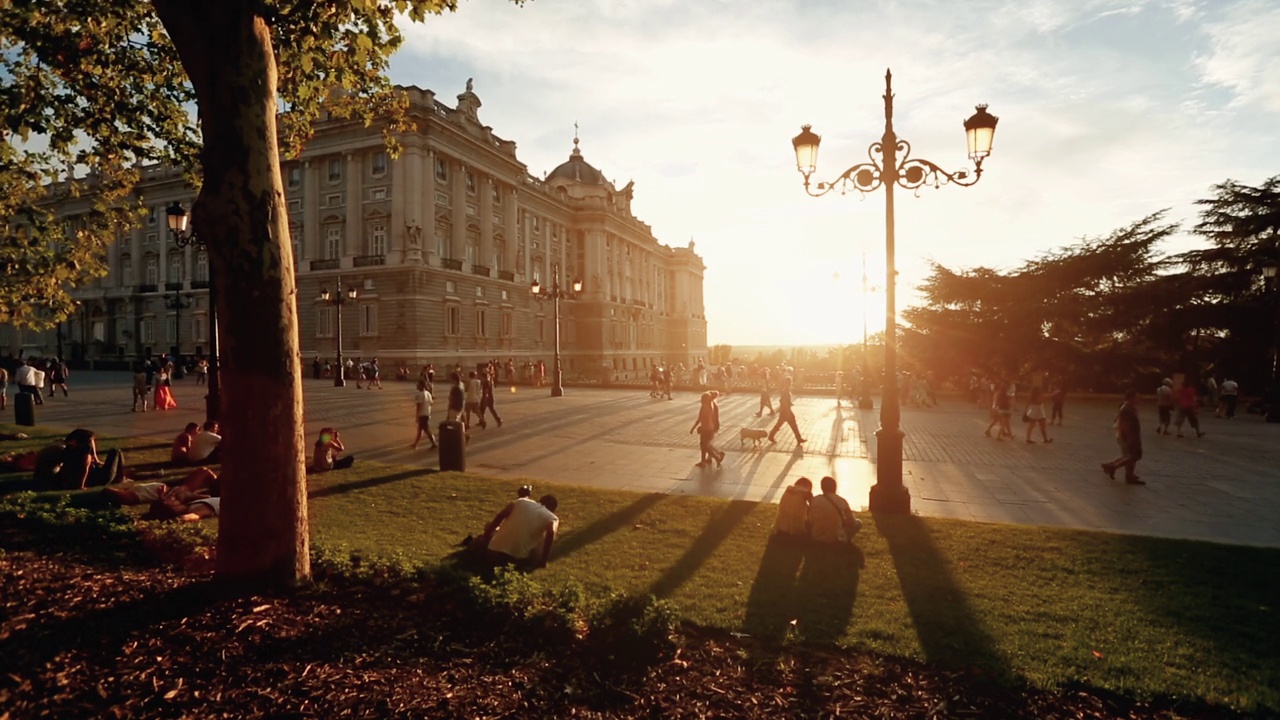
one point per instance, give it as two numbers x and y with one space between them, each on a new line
181 449
206 444
521 534
199 483
832 518
792 521
82 468
326 452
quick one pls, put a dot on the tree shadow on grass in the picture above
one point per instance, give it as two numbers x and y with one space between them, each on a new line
726 519
617 520
798 582
366 483
947 627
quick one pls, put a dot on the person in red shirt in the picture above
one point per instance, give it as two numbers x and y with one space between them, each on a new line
1187 404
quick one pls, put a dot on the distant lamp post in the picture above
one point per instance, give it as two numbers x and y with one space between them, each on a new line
1273 406
891 164
555 294
184 237
337 300
177 304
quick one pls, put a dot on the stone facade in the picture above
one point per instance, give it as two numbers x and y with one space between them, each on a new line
441 245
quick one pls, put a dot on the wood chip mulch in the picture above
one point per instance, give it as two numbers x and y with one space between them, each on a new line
79 641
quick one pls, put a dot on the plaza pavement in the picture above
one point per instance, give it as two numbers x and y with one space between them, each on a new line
1224 487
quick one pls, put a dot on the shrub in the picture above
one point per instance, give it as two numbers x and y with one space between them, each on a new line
633 632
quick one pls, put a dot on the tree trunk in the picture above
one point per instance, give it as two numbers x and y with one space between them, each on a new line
240 214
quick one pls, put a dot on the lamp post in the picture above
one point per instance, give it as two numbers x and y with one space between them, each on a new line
1273 395
555 294
891 164
183 238
177 305
337 299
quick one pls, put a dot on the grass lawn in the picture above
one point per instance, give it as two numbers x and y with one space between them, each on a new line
1142 616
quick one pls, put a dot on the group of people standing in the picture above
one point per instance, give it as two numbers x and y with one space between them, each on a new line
30 376
154 379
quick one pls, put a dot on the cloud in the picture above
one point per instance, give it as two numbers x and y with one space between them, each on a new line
1244 54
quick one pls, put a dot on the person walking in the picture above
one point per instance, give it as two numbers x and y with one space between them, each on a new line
785 413
1035 417
1188 407
58 373
457 408
666 380
422 400
1165 402
707 424
1001 410
766 393
1211 393
1059 397
374 374
202 371
486 396
1129 438
1230 392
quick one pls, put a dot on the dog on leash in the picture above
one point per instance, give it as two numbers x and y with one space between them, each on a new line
755 435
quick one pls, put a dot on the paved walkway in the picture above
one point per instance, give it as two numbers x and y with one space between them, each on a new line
1224 487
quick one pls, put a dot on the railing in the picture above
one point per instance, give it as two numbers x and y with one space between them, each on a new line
332 264
148 288
173 287
480 270
638 303
199 284
508 275
369 260
450 264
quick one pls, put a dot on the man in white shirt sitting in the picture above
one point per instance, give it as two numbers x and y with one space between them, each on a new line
831 517
521 534
205 445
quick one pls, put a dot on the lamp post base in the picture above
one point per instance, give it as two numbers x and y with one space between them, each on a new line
211 403
889 495
339 381
557 387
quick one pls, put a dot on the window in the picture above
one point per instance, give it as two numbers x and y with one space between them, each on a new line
504 295
482 318
442 199
198 324
332 241
151 239
378 193
295 176
442 169
202 266
380 163
324 321
295 206
471 183
335 170
171 329
450 286
453 321
148 331
497 195
378 238
368 319
334 200
126 271
295 239
542 329
508 324
99 331
151 216
442 240
175 268
479 291
153 270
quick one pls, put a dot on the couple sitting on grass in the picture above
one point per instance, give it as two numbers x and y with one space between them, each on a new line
73 464
521 534
826 520
194 446
195 498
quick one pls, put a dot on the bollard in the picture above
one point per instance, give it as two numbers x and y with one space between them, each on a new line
24 409
453 446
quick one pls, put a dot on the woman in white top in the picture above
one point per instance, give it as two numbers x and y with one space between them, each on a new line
1035 416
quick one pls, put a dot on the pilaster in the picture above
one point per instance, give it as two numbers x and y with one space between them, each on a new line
353 237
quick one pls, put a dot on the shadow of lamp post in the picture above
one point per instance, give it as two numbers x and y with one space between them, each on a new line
555 294
337 299
184 237
891 164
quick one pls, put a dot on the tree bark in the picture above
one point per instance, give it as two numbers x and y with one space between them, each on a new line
240 214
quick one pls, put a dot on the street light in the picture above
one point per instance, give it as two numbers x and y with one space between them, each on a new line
177 304
555 294
891 164
183 238
337 300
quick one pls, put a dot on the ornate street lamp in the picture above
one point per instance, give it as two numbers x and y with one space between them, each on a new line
555 294
337 300
891 164
183 238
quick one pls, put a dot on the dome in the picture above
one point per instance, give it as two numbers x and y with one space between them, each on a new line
577 170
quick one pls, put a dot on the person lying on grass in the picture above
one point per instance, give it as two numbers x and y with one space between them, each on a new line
199 483
197 498
182 444
521 534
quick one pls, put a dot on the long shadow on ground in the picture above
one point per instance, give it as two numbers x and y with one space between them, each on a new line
713 534
598 530
803 588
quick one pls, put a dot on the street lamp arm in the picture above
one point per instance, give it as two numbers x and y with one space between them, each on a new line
914 173
863 177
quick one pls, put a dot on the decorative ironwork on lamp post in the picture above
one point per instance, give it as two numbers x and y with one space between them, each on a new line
555 294
891 164
337 299
184 237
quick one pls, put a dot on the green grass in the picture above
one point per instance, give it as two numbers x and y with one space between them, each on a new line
1146 617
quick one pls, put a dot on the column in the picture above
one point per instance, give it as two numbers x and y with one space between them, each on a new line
593 275
485 256
353 241
428 207
527 230
403 200
165 241
310 211
510 231
458 197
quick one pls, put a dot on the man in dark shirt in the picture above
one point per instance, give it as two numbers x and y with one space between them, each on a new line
785 415
486 397
457 401
1129 438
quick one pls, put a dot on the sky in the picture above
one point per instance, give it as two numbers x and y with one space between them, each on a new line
1109 110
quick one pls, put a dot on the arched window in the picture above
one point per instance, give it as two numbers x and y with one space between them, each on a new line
202 266
175 268
377 237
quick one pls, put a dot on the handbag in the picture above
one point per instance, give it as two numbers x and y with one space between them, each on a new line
1026 415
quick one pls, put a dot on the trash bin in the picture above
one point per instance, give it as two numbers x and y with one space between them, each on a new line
24 409
453 446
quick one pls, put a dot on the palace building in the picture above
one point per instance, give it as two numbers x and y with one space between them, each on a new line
441 245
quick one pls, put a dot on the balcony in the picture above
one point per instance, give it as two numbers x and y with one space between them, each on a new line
450 264
638 303
331 264
508 275
480 270
199 284
173 287
369 260
148 288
